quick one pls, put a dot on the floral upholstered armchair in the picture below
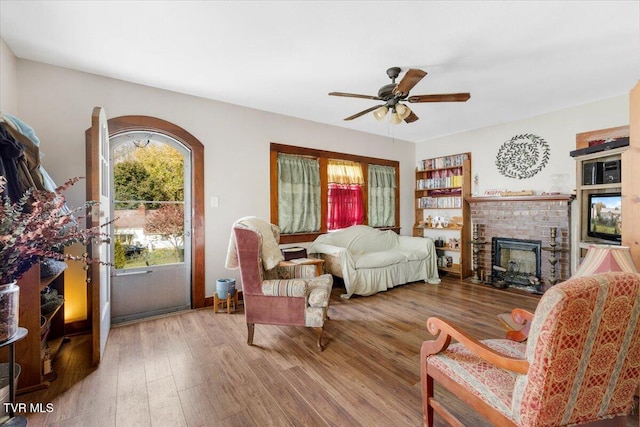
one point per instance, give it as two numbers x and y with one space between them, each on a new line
278 296
580 365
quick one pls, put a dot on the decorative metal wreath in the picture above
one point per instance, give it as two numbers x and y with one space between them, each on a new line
522 156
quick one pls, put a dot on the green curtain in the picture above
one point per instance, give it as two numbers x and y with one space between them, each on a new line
382 196
298 194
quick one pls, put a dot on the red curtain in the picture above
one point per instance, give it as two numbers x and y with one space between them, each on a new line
345 206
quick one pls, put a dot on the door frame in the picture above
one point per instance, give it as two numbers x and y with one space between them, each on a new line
167 291
123 124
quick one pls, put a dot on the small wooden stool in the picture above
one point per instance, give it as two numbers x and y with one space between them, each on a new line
230 301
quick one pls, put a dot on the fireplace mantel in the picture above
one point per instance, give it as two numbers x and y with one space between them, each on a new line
542 198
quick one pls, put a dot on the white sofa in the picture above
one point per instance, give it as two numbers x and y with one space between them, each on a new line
371 261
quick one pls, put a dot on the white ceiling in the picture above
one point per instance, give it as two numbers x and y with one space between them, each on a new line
516 58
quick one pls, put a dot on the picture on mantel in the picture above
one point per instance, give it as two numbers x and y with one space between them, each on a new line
522 156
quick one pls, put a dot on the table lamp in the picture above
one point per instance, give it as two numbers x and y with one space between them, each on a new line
605 258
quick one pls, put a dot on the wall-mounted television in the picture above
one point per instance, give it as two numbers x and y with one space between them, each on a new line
605 216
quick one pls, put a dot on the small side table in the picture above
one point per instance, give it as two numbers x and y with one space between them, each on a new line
14 421
304 261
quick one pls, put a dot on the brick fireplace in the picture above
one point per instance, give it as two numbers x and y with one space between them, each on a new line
524 218
516 263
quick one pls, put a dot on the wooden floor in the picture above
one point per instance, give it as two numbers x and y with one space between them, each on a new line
195 368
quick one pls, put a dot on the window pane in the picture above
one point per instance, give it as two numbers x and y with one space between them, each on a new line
148 205
344 172
298 194
345 206
382 196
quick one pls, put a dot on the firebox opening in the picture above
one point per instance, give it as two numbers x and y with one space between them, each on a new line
516 263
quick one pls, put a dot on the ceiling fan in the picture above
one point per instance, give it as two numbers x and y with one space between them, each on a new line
392 94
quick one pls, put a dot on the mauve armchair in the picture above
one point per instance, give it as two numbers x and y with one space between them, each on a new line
279 301
580 365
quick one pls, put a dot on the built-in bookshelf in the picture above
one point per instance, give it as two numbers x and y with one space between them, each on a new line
441 211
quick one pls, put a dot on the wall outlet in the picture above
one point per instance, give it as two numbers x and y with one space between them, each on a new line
214 201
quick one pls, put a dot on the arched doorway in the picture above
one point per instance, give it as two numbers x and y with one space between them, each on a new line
133 124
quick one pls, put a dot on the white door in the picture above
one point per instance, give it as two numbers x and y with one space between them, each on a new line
151 199
99 277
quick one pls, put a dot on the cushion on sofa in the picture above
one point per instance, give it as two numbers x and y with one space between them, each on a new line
413 255
379 259
362 239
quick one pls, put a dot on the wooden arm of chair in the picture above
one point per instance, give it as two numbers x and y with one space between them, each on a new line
446 331
519 317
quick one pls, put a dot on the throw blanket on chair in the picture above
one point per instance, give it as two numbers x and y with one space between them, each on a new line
271 255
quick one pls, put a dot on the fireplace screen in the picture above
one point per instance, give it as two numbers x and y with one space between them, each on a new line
516 262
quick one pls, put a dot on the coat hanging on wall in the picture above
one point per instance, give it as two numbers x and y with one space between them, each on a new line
20 158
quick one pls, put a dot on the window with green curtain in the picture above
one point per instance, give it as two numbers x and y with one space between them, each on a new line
298 194
382 196
303 217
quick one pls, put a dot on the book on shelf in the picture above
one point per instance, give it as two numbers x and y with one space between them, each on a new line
442 162
439 182
440 202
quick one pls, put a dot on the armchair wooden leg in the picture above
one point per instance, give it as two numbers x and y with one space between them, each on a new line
319 332
250 327
427 391
427 402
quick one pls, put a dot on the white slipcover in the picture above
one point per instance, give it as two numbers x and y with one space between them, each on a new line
372 261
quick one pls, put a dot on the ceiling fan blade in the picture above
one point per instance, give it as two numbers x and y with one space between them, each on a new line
362 113
411 118
354 95
444 97
410 79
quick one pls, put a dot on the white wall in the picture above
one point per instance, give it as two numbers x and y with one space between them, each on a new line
558 128
57 103
8 80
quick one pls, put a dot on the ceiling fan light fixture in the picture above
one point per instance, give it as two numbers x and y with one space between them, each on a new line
395 118
391 94
403 111
380 112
